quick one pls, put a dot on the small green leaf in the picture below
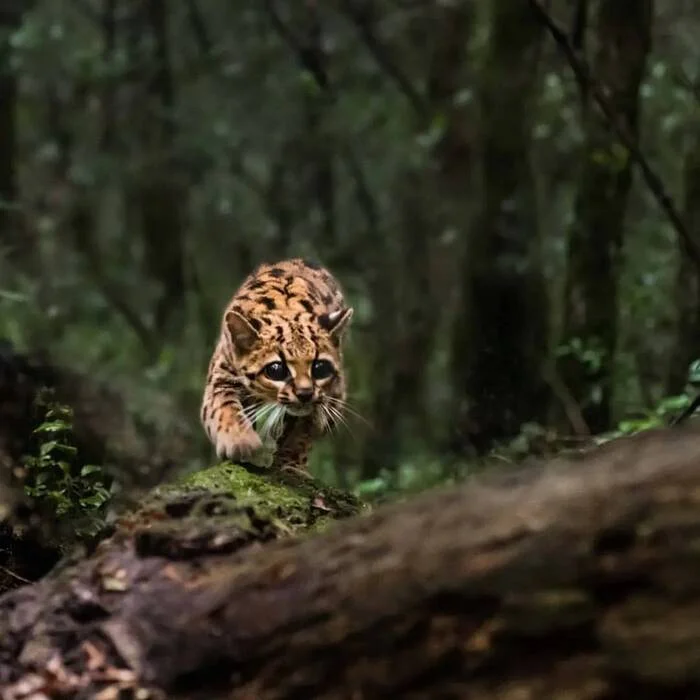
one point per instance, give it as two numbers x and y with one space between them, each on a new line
55 426
95 500
47 447
694 373
90 469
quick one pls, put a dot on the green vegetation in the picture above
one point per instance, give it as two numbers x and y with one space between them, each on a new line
75 494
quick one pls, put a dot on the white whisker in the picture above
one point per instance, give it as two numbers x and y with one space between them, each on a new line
272 421
264 410
257 411
328 419
345 407
249 412
250 407
337 418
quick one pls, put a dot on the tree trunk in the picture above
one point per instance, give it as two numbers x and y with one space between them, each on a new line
12 241
578 580
596 237
411 300
687 345
159 191
404 331
501 336
318 135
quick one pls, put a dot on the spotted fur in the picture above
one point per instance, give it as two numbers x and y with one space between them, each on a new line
276 379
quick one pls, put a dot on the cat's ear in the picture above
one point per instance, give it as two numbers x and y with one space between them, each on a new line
337 322
242 333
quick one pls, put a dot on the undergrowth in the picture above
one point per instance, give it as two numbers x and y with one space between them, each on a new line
533 440
75 494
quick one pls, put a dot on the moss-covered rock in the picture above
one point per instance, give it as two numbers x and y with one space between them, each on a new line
227 507
301 503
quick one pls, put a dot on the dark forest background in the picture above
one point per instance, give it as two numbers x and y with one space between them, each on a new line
512 205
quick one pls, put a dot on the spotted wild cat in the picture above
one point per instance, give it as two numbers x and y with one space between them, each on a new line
276 378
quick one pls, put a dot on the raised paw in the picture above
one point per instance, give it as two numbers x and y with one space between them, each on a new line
238 446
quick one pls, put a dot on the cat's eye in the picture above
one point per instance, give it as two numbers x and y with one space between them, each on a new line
276 371
321 369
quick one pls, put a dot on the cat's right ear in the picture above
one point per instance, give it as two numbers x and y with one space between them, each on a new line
243 335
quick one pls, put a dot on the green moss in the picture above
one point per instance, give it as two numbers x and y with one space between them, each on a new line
302 504
244 485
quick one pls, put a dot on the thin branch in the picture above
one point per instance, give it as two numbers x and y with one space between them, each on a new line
583 75
237 167
95 268
307 59
320 75
580 26
81 226
15 576
571 407
682 79
362 16
109 112
199 28
363 191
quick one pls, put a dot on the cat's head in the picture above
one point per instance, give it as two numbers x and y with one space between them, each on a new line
294 365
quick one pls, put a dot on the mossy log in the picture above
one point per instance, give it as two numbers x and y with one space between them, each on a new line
574 579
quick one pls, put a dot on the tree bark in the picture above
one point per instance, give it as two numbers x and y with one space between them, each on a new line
574 580
596 237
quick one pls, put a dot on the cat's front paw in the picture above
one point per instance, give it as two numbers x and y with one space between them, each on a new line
262 458
238 447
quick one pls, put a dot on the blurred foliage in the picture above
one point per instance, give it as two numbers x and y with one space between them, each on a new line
158 151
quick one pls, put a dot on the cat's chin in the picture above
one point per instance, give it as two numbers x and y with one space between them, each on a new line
298 411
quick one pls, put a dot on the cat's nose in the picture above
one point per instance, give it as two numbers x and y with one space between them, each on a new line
304 395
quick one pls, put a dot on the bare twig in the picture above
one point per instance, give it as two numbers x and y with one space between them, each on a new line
583 75
323 81
363 191
109 113
83 240
363 19
571 407
579 26
306 58
199 27
13 575
81 225
682 79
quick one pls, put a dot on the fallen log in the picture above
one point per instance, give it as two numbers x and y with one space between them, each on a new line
575 579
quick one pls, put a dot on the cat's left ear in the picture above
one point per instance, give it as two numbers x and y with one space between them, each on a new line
242 332
337 322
